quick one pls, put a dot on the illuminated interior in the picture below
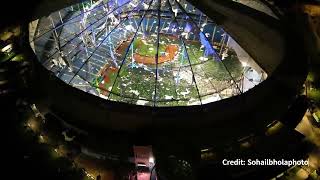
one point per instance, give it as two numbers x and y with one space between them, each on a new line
149 52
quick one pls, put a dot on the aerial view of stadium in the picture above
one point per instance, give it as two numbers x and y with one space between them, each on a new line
154 53
161 89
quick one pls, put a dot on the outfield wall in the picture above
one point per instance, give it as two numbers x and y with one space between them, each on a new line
253 110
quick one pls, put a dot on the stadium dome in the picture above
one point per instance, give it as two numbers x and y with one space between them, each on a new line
149 52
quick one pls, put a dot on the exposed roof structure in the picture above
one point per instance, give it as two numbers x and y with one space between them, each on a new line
151 52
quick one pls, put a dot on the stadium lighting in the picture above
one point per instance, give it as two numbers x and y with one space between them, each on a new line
7 48
244 64
151 160
109 51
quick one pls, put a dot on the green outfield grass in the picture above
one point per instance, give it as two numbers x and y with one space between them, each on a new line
133 80
147 49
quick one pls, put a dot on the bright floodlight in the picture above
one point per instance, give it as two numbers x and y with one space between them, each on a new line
7 48
151 160
144 52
